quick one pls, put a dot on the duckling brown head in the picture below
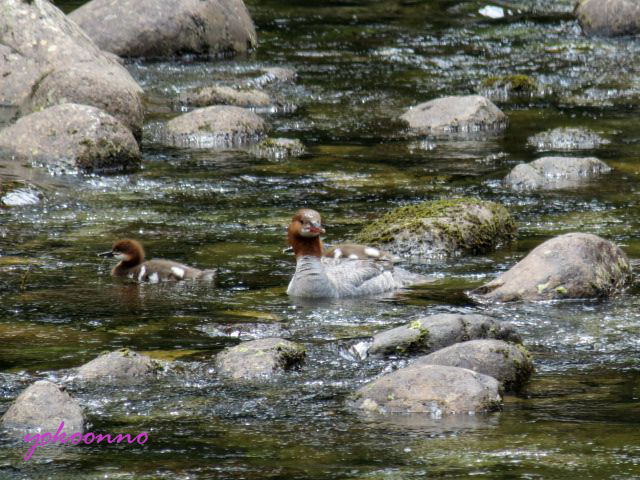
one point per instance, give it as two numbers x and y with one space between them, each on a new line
304 233
129 252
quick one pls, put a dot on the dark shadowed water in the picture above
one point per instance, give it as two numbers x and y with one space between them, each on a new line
360 64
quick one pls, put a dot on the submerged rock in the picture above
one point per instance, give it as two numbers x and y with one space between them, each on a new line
47 59
275 75
221 95
71 137
435 332
510 364
14 194
259 359
158 28
122 364
278 148
507 86
441 228
43 406
555 172
430 389
574 265
566 139
609 17
214 127
466 114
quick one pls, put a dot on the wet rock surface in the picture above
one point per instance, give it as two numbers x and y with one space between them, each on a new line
47 59
555 173
259 359
564 139
435 390
464 114
222 95
435 332
154 28
122 364
278 148
43 406
273 75
441 228
70 137
214 127
609 17
574 265
510 364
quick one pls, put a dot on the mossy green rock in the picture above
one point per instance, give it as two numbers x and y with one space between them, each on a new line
574 265
428 334
514 83
441 228
259 359
510 364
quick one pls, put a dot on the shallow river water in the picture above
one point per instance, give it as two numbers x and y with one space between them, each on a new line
360 64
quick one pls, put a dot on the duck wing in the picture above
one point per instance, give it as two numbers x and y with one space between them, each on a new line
359 277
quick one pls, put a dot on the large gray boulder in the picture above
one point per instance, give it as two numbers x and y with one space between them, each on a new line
609 17
466 114
510 364
43 406
430 389
435 332
47 59
574 265
441 228
565 139
70 137
259 359
122 364
214 127
160 28
555 172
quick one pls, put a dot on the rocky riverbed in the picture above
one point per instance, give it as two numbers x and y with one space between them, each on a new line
327 125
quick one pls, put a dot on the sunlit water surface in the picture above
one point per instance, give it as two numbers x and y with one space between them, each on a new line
360 64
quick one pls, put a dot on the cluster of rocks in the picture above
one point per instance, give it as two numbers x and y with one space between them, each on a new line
77 107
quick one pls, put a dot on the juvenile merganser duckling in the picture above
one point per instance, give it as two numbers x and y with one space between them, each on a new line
132 265
363 271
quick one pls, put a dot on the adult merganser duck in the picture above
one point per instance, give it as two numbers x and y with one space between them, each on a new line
132 265
345 270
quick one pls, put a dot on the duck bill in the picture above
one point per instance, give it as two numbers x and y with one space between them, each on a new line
108 254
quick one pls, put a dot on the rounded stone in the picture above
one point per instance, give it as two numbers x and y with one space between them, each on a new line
574 265
122 364
43 406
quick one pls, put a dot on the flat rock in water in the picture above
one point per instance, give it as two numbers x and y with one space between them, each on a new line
70 137
435 332
555 173
48 59
214 127
435 390
564 139
574 265
510 364
609 17
275 75
221 95
161 28
278 148
465 114
43 406
122 364
441 228
259 359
